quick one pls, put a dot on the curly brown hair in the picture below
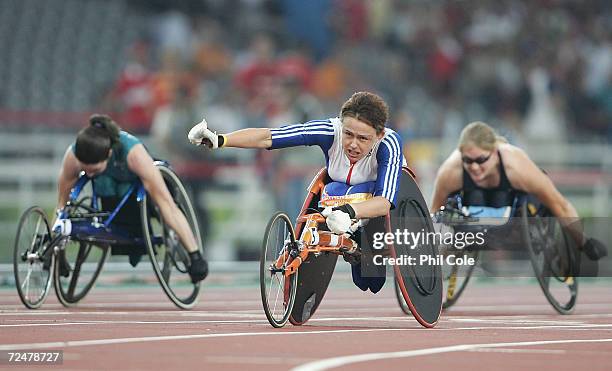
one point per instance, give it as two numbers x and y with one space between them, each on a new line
366 107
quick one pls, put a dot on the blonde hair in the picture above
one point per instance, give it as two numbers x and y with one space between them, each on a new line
480 135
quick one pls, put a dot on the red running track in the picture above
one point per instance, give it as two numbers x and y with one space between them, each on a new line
492 326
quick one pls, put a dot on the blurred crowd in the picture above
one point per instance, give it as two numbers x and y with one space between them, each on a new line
537 70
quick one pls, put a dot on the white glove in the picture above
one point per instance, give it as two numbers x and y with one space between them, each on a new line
62 226
337 220
200 134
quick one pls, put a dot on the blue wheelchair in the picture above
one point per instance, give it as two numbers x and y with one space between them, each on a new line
526 229
133 227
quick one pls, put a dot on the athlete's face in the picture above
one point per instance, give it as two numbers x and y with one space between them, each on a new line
91 170
358 138
479 163
94 169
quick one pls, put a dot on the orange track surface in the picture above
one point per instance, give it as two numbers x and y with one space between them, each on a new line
138 328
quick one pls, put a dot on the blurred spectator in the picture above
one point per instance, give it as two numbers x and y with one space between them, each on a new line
132 96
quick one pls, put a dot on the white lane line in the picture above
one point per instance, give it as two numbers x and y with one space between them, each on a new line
79 343
588 327
328 363
503 350
522 307
516 321
78 323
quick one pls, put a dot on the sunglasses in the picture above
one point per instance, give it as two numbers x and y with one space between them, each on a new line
479 160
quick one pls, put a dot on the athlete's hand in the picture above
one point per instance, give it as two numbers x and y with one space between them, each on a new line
594 249
337 221
62 225
200 134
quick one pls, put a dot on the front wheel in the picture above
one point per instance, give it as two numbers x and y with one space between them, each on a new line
33 258
277 287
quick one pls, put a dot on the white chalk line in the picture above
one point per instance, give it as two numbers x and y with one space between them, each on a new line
334 362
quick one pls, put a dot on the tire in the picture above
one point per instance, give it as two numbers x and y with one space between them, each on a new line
85 261
279 237
32 278
169 258
400 298
552 257
419 284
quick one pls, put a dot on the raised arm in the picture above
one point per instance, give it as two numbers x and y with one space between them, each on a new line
249 138
245 138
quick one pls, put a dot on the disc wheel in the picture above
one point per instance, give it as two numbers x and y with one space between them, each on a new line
552 257
277 289
169 258
32 258
420 283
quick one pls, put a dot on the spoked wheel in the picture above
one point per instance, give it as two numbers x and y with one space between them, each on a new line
78 264
32 259
169 258
277 289
552 257
457 276
77 268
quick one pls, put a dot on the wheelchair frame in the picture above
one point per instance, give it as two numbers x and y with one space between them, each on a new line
92 227
536 226
282 266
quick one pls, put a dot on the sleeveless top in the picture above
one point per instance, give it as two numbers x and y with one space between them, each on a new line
116 179
500 196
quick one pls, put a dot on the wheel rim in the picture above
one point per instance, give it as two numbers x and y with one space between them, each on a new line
168 256
551 254
31 278
278 296
85 263
84 260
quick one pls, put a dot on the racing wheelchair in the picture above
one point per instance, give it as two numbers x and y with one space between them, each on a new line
525 225
73 260
296 264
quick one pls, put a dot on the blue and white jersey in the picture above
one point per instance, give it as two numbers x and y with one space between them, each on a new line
383 164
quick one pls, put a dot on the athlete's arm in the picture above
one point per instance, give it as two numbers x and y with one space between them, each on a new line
448 180
141 163
390 161
249 138
69 173
524 174
372 208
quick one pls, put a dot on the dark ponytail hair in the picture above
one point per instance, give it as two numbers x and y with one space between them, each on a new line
94 142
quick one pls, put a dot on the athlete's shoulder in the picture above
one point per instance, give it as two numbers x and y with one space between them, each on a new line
390 143
391 134
128 141
512 156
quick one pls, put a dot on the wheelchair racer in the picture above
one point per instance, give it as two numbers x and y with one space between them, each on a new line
487 171
114 159
363 159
